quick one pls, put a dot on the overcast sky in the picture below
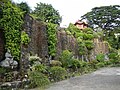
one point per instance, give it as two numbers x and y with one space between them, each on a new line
71 10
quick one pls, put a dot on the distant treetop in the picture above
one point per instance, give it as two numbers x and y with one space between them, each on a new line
105 17
24 7
47 13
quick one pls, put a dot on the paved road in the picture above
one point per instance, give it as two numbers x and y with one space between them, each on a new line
103 79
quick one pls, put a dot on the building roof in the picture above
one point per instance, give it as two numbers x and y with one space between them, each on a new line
80 23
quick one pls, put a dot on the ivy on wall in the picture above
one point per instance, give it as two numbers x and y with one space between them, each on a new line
52 38
24 38
11 22
84 38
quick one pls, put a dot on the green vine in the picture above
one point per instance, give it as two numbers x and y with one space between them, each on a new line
52 38
11 22
84 38
24 38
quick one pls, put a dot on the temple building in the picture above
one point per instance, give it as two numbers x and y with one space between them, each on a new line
81 25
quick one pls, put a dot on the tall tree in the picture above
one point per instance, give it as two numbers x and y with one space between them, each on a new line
108 19
24 7
105 17
47 13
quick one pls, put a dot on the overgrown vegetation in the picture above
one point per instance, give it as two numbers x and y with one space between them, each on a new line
24 38
52 38
24 7
84 39
11 22
67 66
105 18
38 79
57 73
46 13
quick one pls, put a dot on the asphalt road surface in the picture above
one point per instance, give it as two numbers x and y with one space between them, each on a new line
103 79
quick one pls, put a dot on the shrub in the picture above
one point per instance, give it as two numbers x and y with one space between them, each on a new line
100 64
66 58
113 56
58 73
118 53
100 57
114 61
8 76
83 63
34 60
93 64
40 68
2 70
107 62
75 64
37 79
84 67
55 63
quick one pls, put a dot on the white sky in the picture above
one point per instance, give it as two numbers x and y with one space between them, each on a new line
71 10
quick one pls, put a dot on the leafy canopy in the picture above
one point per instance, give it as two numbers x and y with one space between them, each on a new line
47 13
24 7
105 17
108 19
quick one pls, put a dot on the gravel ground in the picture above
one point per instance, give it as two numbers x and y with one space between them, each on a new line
103 79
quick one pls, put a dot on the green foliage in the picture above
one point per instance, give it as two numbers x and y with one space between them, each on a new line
99 34
72 29
39 68
93 64
11 22
2 70
55 63
47 13
58 73
104 17
88 36
24 7
112 39
66 58
100 64
68 32
88 30
100 57
107 63
84 38
83 63
24 38
113 55
84 67
52 38
89 44
118 55
34 60
8 77
114 61
37 79
75 64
